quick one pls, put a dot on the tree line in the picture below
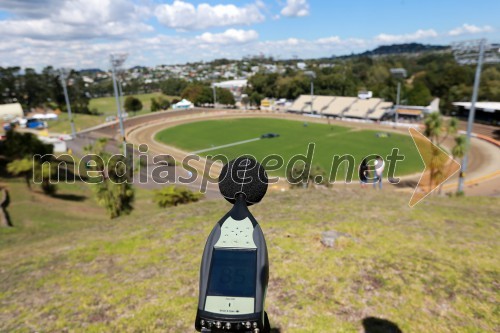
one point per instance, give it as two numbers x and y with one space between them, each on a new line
44 89
430 74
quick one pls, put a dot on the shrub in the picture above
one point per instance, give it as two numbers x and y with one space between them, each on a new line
174 195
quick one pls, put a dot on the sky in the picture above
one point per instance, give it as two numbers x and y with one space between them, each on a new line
83 33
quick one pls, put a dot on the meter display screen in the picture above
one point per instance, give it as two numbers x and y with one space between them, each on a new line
233 273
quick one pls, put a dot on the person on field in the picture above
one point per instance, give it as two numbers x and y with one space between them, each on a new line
363 169
378 172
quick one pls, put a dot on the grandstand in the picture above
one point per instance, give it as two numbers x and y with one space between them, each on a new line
362 107
380 110
301 104
320 103
340 106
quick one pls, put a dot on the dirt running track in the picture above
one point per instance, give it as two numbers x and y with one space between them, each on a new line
483 176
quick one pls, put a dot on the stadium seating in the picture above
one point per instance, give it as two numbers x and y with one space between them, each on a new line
380 110
340 106
362 107
320 103
301 104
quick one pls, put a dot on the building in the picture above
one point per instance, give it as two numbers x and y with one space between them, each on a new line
11 111
342 107
414 112
486 112
236 87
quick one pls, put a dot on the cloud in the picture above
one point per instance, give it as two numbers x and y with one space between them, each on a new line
31 9
296 8
469 29
329 40
182 15
419 34
80 19
230 36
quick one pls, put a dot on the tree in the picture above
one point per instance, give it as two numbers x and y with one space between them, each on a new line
198 94
27 155
19 145
419 95
174 195
433 123
113 190
173 86
4 203
22 167
225 97
132 104
255 98
460 147
437 130
159 103
155 106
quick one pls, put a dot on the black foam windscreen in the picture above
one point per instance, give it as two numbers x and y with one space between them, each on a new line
243 175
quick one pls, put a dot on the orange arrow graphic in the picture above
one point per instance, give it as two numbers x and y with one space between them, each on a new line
439 167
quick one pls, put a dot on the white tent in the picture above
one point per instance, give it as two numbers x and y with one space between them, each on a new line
47 116
184 104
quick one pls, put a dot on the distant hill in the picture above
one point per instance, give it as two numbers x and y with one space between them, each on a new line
399 49
91 71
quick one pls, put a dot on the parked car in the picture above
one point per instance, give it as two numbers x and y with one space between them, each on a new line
36 124
269 135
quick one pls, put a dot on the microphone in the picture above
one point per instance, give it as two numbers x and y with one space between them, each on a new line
234 270
245 176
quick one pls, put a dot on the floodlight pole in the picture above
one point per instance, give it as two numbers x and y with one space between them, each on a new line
472 111
214 93
399 74
63 74
312 95
312 75
117 61
398 95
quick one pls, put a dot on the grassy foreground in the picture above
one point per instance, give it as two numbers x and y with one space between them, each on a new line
65 267
106 106
294 139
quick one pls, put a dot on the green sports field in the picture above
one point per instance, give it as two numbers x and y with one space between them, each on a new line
294 139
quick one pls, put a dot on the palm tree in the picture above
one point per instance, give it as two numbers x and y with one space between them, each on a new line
433 123
451 129
458 151
460 147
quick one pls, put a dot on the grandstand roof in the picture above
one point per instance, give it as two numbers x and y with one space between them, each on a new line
341 106
483 106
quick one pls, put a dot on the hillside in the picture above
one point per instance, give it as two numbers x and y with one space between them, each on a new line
403 48
427 269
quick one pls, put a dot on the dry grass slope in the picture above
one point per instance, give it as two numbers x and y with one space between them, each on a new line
428 269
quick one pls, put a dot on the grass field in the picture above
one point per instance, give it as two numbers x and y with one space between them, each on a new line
64 267
106 106
294 139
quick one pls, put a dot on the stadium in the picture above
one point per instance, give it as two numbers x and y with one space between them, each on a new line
252 166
